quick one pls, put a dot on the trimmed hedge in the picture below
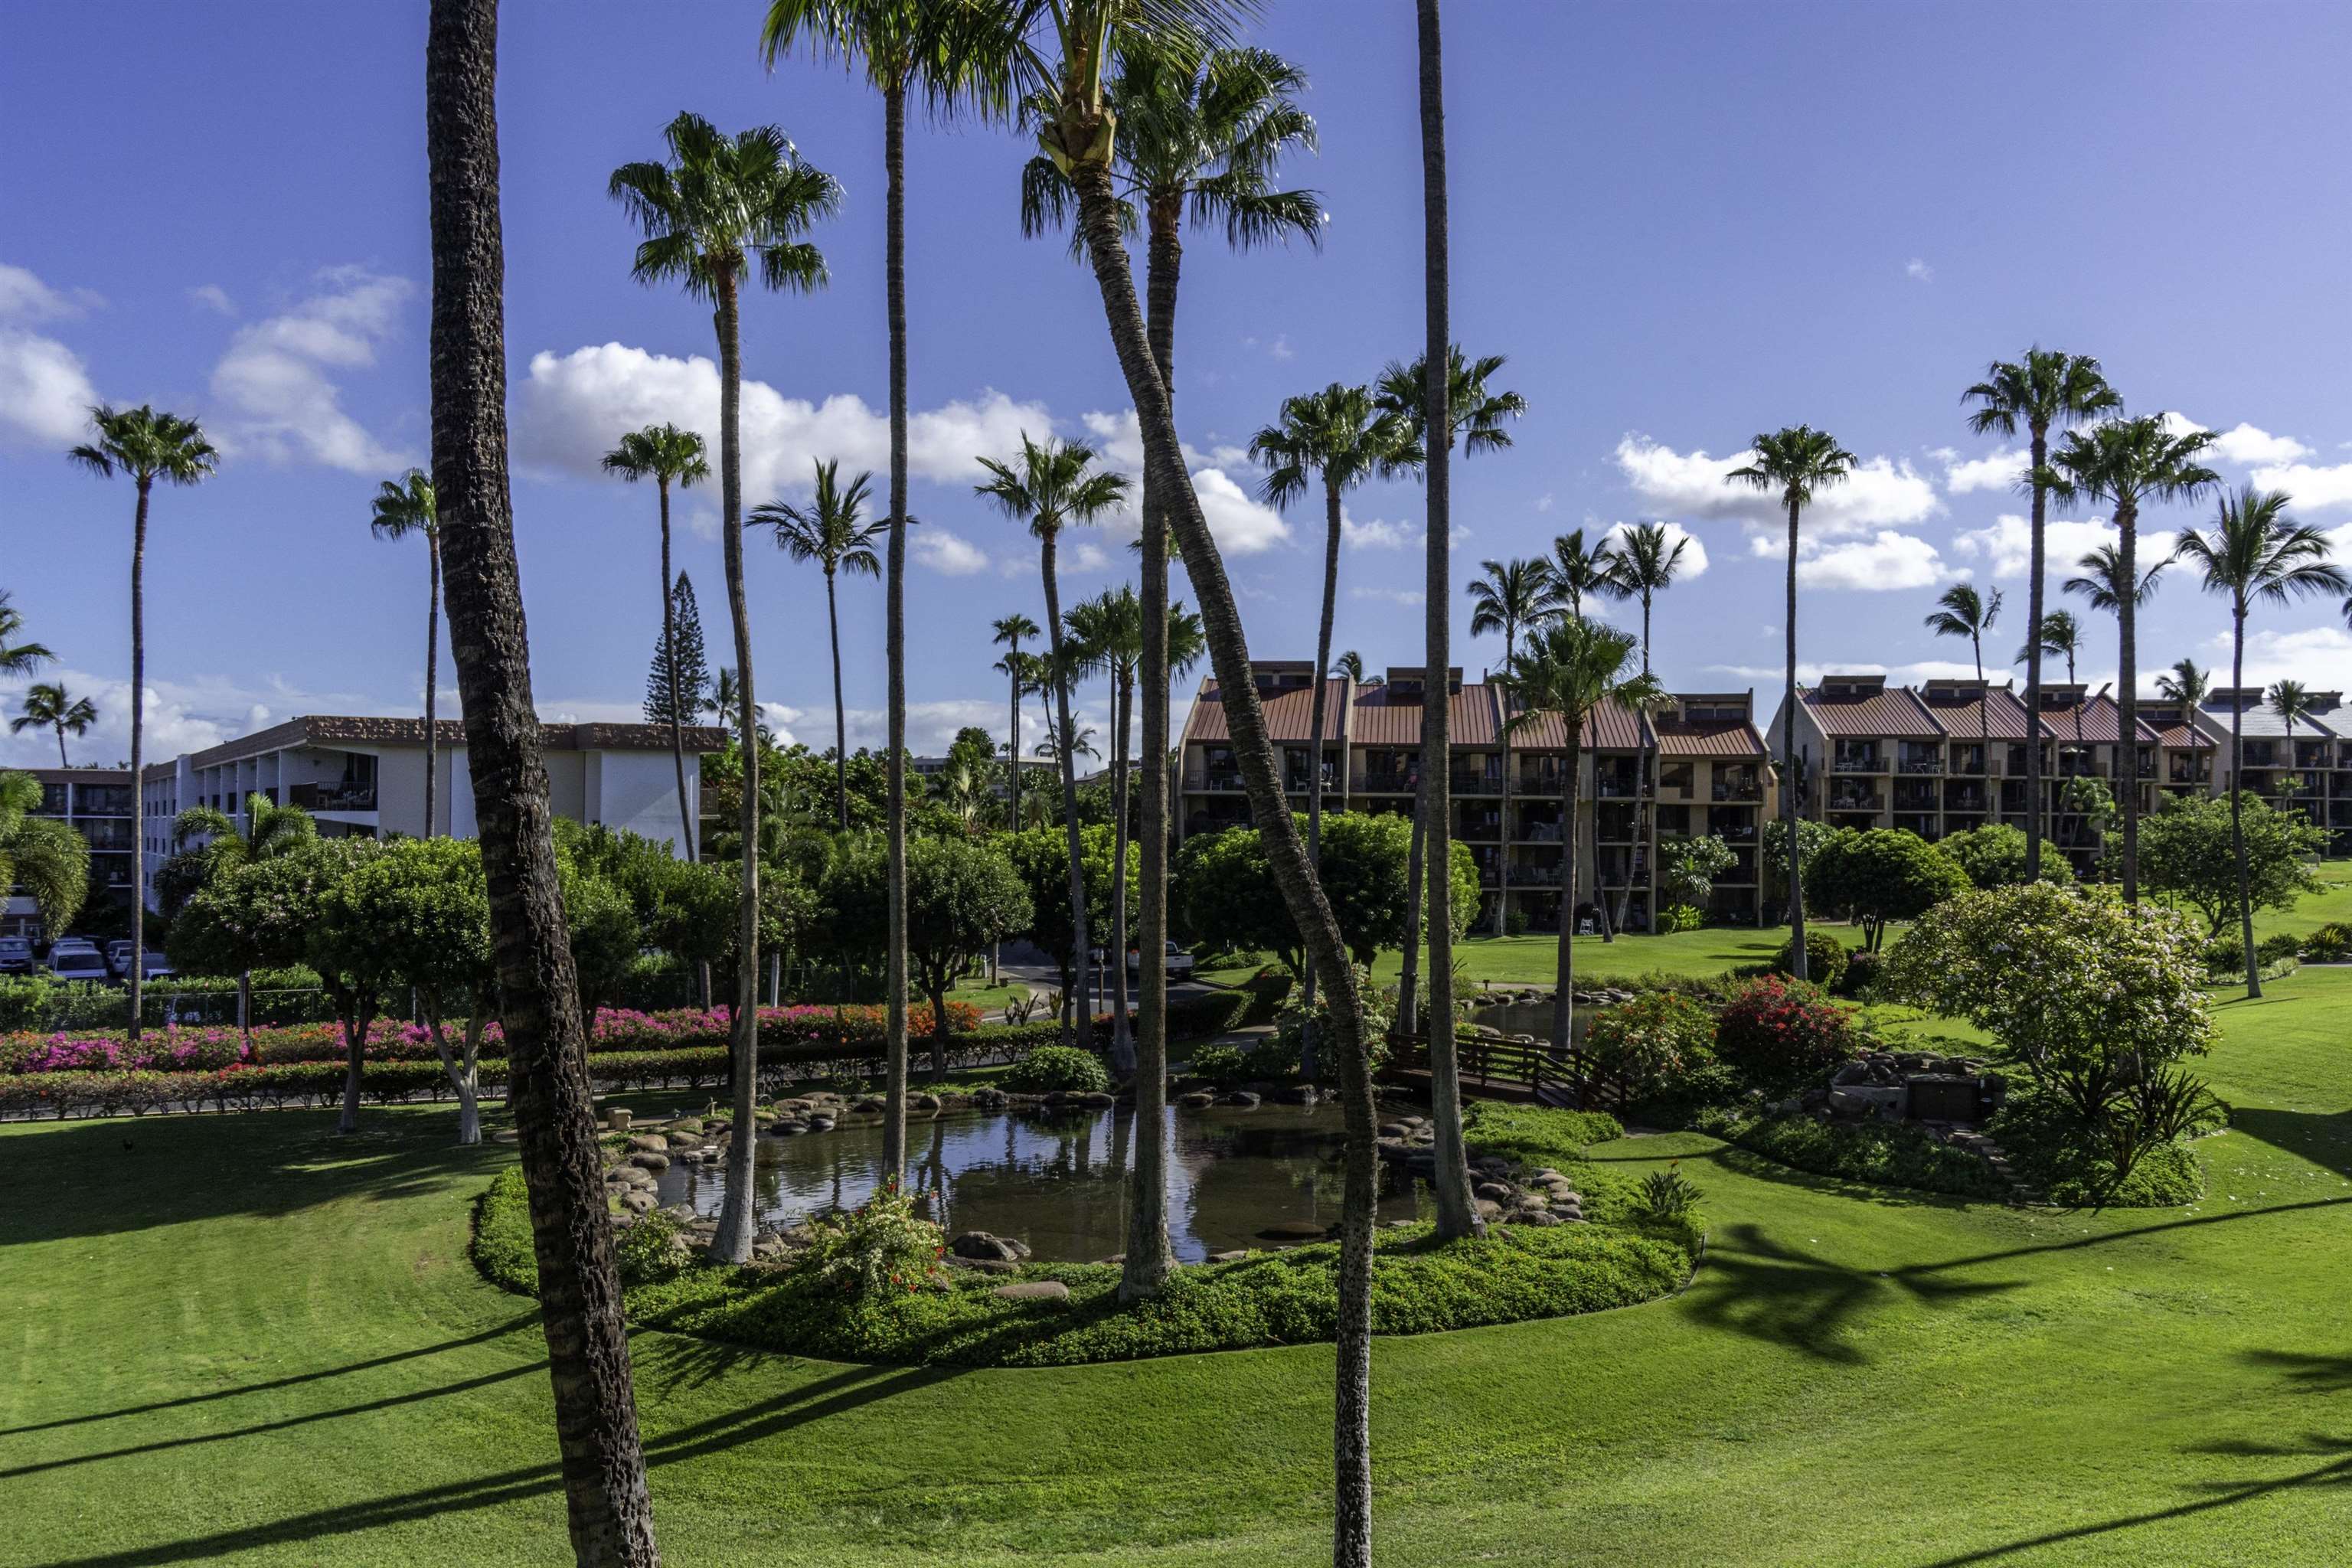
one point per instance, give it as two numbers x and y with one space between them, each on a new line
1883 1154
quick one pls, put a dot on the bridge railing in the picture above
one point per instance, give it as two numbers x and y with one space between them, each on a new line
1569 1078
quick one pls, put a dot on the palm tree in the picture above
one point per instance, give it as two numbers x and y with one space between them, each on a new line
1962 611
1475 415
1509 596
1571 667
2256 553
1054 487
2291 701
831 531
2102 576
2044 390
1012 631
1645 561
602 1461
144 446
46 857
1107 639
1577 573
2128 463
404 507
1026 672
1797 462
2184 683
1348 667
48 706
949 54
2058 635
668 456
720 206
19 659
270 830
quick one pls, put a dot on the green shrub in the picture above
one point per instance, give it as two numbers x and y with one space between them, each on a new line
1862 971
2331 943
1223 1066
1050 1070
502 1240
2283 944
1269 989
1514 922
1650 1043
881 1246
1668 1194
1883 1154
2053 1151
1826 956
651 1250
1781 1034
1680 917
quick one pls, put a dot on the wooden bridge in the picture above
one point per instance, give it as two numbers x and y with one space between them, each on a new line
1530 1070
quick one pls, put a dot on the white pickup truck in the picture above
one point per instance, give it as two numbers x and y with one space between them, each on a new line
1178 962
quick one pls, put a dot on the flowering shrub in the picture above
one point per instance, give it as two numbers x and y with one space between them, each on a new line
881 1247
1650 1042
1782 1034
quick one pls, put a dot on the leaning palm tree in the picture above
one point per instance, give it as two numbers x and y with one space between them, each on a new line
668 456
2128 463
45 857
948 55
601 1461
832 532
48 705
2042 391
1571 668
18 657
719 208
144 445
1795 463
270 831
1507 596
404 507
1011 632
1056 485
1579 573
2184 683
1962 611
2256 553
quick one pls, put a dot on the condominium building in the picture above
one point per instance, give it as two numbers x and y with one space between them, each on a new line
365 777
1951 755
97 802
1696 767
2310 769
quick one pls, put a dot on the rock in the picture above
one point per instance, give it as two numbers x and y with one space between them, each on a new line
872 1102
1295 1230
637 1202
1500 1192
1491 1167
1235 1255
788 1107
1399 1224
1100 1100
1241 1097
1533 1201
650 1160
1489 1210
1535 1217
820 1123
647 1143
1199 1100
984 1265
1392 1130
616 1118
1034 1290
792 1129
923 1102
979 1244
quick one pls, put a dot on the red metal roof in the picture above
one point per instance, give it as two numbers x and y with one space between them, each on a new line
1715 738
1997 715
1378 717
1289 715
1891 712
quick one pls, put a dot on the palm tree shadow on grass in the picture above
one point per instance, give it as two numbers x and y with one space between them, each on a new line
1754 1285
2324 1138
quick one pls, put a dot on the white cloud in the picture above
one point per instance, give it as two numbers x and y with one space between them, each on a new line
1241 525
946 552
24 298
276 375
2241 443
1918 271
2320 656
1543 501
212 296
184 715
1880 493
1809 673
1888 562
44 390
1280 348
1380 534
1694 561
1082 555
2004 470
2008 544
2312 485
1390 595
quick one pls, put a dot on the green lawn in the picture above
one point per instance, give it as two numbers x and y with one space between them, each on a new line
245 1340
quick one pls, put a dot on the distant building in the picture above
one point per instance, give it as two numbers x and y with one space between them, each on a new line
2317 756
97 802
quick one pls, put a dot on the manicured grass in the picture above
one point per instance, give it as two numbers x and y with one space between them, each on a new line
242 1339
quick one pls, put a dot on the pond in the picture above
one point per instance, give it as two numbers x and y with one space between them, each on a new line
1057 1179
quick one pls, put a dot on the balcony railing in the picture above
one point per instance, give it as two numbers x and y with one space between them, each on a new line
1963 800
332 797
1467 782
1921 765
1739 792
1539 832
1479 832
1858 762
2082 768
1743 834
1616 788
1197 784
1392 782
1857 803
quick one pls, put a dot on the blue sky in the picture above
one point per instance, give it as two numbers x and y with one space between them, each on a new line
1683 224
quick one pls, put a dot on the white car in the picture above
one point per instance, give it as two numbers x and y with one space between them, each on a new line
16 955
1178 962
68 962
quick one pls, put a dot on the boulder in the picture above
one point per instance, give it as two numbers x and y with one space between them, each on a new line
1535 1217
1489 1210
637 1201
1297 1230
923 1102
1199 1100
1235 1255
792 1128
979 1244
647 1143
1240 1097
650 1160
1100 1100
1500 1192
984 1265
821 1123
1034 1290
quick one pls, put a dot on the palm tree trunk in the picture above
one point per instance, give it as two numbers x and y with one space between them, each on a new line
840 716
579 1293
138 726
62 748
1122 1040
2127 696
1563 992
1080 1029
1013 750
2033 595
1286 854
2238 798
1316 706
1502 855
732 1241
687 846
894 981
1409 973
432 674
1150 1259
1796 958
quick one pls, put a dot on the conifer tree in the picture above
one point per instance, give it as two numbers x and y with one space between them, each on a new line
693 667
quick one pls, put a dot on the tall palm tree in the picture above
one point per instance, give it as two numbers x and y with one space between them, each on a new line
270 830
2057 636
48 705
1026 672
948 56
1056 485
404 507
2128 463
1796 463
44 856
1341 438
1348 667
1579 573
1107 639
2184 683
1962 611
2102 577
719 208
2256 553
1571 668
832 532
1475 415
1507 596
2290 700
18 657
668 456
144 446
602 1461
1644 562
1011 632
2042 391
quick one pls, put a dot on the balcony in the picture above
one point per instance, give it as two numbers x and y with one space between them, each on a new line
2082 767
1465 781
2180 775
1195 784
1856 801
1485 831
332 796
1858 762
1965 800
1920 764
1743 833
1538 832
1389 782
1621 787
1737 792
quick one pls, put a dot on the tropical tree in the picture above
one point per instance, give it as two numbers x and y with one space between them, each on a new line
2040 391
48 705
403 508
270 830
44 856
1795 463
2128 463
2256 553
1506 597
2290 703
1579 573
144 445
832 532
1962 611
668 456
602 1463
721 207
1056 485
2184 683
1645 560
2101 580
1011 631
1348 667
1570 670
18 657
1476 414
2058 635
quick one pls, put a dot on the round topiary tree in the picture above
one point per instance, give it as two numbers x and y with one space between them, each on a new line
1825 958
1051 1070
1885 874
